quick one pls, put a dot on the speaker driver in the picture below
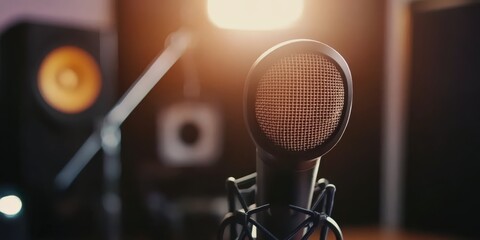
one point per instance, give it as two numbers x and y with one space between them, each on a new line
190 134
69 79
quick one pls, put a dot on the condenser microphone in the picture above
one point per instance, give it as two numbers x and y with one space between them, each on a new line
298 99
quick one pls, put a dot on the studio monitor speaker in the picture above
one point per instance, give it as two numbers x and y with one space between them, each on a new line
55 83
190 133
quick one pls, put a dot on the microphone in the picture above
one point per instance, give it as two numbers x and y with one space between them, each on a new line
298 99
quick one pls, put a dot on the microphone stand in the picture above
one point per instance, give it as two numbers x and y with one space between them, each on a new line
108 137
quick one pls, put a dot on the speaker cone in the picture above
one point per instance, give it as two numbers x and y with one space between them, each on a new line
69 79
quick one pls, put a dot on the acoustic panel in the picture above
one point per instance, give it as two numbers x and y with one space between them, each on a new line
443 134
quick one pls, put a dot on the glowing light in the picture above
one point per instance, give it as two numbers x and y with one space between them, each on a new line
254 14
10 205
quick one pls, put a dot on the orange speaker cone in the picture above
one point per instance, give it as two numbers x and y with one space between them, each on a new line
69 79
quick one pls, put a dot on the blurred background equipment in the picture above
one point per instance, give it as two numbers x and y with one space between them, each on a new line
189 134
57 79
54 90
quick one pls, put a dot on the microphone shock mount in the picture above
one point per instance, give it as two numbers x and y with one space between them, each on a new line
242 224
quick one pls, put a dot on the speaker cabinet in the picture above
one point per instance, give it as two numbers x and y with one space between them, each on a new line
443 134
56 81
190 134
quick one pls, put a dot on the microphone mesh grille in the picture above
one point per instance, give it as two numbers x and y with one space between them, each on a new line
299 101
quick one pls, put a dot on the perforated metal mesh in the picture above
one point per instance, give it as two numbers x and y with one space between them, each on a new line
299 101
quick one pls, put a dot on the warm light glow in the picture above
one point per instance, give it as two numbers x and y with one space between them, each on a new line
254 14
10 205
69 79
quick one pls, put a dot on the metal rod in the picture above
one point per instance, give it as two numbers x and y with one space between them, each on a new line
177 44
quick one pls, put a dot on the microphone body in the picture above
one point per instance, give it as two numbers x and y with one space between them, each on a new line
298 99
280 185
